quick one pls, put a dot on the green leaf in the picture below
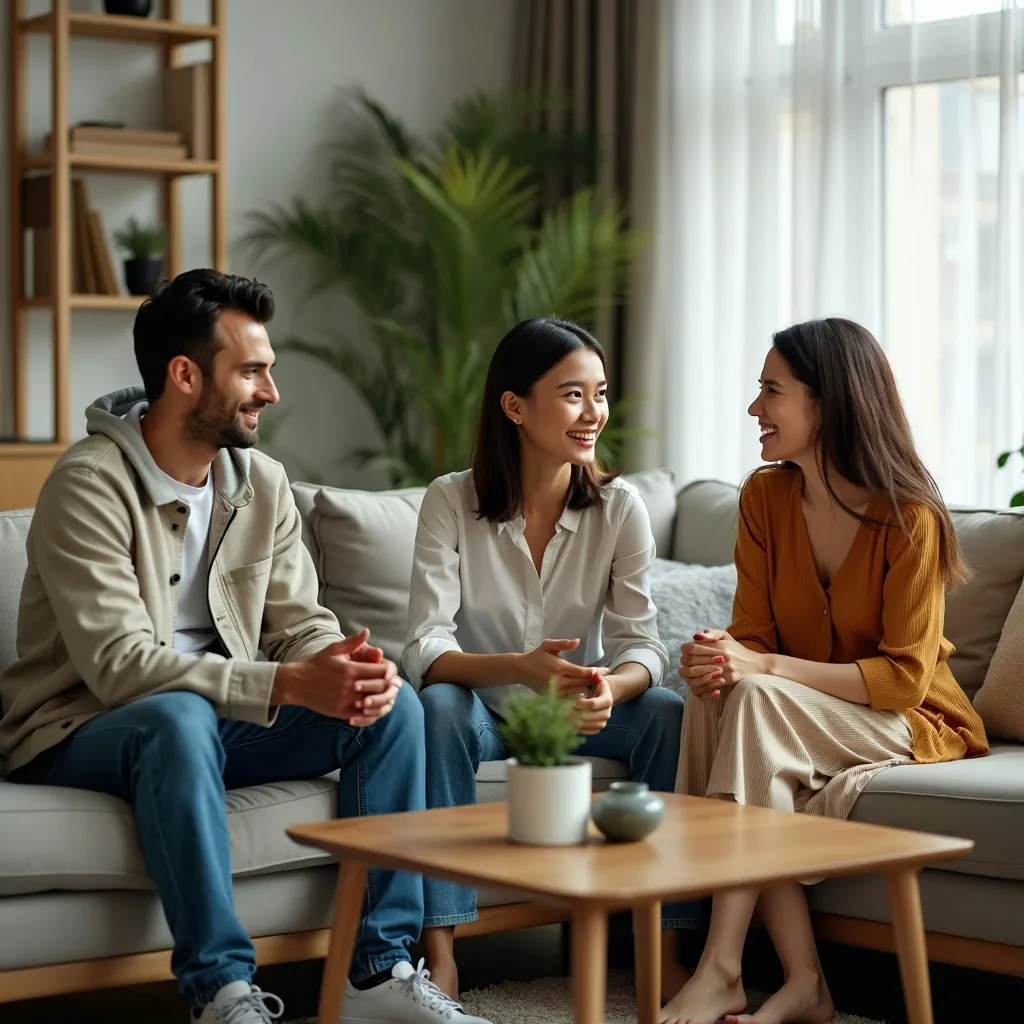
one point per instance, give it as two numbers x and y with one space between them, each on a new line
538 728
1003 459
1017 500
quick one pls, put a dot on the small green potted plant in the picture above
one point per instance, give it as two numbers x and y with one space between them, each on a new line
1018 499
144 244
548 789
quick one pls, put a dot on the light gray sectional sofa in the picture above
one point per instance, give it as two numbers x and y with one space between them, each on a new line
77 909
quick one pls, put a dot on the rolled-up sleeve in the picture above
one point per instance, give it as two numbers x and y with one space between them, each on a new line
435 590
630 628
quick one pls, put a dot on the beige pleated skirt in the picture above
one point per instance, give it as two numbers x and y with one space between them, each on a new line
774 743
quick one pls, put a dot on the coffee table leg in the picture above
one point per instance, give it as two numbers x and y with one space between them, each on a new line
348 909
647 953
908 925
589 964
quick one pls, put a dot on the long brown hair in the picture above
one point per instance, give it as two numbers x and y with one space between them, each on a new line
522 357
863 433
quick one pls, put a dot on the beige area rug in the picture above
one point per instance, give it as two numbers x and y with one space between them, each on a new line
549 1001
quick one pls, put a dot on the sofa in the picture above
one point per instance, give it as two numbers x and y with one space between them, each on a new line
78 910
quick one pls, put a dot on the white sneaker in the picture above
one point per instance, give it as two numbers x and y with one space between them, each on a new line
408 997
240 1003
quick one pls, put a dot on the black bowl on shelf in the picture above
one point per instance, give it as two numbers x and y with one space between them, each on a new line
133 8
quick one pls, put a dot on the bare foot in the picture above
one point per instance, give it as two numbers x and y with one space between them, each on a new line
706 998
804 999
673 974
445 975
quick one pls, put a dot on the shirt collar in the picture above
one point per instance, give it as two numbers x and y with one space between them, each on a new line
569 520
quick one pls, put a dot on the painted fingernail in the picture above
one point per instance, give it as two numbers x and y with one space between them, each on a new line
719 660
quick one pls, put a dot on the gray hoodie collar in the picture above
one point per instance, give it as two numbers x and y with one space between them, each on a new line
107 416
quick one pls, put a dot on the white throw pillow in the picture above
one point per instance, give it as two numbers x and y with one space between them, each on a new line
689 598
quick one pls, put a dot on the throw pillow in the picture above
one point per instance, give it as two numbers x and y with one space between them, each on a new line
364 544
999 700
689 598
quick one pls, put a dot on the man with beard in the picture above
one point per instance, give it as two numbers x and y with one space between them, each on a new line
164 555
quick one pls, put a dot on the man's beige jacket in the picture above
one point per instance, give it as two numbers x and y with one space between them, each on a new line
96 622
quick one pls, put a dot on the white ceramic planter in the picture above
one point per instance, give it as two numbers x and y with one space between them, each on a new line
549 806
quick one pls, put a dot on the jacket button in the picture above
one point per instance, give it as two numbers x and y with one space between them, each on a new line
66 725
163 643
176 578
182 509
174 526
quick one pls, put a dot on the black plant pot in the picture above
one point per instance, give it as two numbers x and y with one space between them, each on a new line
141 275
135 8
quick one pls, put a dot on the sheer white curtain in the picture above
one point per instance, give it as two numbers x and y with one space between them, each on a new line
818 157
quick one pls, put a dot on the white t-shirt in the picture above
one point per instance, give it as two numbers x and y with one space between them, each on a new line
193 627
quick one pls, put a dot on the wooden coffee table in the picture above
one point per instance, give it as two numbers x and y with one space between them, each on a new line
703 846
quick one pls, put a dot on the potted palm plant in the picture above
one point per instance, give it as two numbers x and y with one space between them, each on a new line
548 790
440 247
144 244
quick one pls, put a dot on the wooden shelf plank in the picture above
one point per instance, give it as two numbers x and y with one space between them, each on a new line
130 302
123 164
15 448
125 29
110 302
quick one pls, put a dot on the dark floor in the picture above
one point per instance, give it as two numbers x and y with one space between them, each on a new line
862 982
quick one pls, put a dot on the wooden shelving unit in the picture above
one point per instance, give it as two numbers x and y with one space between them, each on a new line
24 463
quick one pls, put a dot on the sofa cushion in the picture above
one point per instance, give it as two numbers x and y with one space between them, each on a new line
689 598
364 544
992 542
13 560
73 839
705 531
980 798
993 545
1000 701
658 490
55 838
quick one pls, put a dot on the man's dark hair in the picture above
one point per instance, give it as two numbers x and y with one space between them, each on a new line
179 318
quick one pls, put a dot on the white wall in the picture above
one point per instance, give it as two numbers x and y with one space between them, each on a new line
287 67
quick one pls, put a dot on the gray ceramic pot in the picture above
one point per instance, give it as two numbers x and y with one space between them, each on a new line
628 811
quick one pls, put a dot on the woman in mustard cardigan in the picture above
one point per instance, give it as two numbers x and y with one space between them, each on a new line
835 664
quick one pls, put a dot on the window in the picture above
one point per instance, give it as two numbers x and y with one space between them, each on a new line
924 75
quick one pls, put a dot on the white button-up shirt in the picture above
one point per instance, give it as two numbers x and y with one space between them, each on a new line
475 588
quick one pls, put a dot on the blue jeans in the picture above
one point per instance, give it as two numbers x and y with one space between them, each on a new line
461 732
172 759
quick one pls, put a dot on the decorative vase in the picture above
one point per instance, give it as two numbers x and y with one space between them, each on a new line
629 811
140 276
549 806
133 8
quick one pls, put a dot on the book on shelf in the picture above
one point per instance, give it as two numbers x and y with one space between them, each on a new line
80 235
105 275
133 143
92 267
188 107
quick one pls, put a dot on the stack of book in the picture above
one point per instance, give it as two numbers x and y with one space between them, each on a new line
92 268
99 139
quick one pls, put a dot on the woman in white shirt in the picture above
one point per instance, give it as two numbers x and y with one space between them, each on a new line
535 564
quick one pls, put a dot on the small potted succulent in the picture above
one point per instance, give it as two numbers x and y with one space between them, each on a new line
548 790
145 244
